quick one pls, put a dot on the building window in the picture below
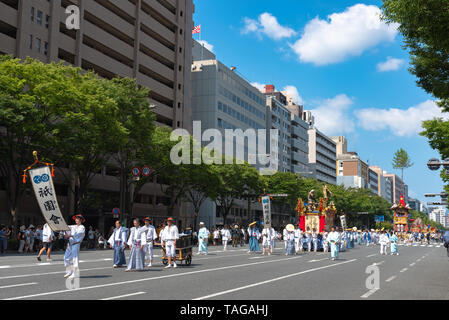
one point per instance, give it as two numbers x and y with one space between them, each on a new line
47 21
39 17
31 41
38 45
46 48
32 14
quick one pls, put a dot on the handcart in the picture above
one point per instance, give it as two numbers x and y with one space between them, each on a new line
184 250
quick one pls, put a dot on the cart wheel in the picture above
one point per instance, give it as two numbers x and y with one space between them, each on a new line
189 260
165 262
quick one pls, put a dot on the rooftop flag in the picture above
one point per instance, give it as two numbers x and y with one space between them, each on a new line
197 29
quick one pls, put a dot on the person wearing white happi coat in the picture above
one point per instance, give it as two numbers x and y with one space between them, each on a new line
169 237
334 240
75 237
325 242
203 237
315 240
136 242
284 237
309 240
117 241
298 240
225 237
383 240
47 241
268 236
151 235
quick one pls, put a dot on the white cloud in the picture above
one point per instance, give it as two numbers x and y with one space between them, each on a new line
343 35
331 115
293 91
392 64
267 24
402 123
206 45
259 86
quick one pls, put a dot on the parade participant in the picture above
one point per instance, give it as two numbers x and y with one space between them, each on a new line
117 242
243 237
383 240
268 235
290 250
298 240
47 240
342 240
367 237
225 237
359 237
169 237
334 239
136 243
151 235
203 236
216 236
254 236
235 235
314 240
394 243
75 237
284 237
325 241
309 239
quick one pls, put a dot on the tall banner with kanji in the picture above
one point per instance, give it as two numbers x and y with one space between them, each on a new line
46 197
266 207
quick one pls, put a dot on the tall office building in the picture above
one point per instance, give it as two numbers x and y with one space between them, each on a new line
385 188
396 183
322 156
150 40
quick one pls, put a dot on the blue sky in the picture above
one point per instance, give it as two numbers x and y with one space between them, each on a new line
345 64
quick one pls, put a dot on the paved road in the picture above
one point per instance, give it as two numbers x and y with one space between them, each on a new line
419 272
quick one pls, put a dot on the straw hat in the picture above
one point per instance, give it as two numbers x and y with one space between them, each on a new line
290 228
252 223
354 229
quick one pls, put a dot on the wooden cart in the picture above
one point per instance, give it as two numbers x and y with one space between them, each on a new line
184 251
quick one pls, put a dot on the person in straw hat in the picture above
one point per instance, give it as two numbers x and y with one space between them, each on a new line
254 236
203 236
290 250
75 237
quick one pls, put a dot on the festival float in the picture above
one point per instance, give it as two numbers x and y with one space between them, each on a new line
316 215
400 217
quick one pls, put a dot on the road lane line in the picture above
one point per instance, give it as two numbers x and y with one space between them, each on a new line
48 264
124 296
5 267
48 273
272 280
317 260
411 264
153 278
366 295
378 263
18 285
372 255
403 270
390 279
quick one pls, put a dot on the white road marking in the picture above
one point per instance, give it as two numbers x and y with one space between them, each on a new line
5 267
430 245
124 296
252 258
423 245
47 273
48 264
378 263
272 280
18 285
403 270
390 278
154 278
438 246
366 295
372 255
411 264
418 260
317 260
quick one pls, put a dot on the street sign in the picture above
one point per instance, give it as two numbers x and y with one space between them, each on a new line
379 218
116 212
135 171
437 203
146 171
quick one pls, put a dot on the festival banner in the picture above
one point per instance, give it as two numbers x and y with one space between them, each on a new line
343 222
266 206
46 197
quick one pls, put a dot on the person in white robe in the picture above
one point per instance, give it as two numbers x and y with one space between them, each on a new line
334 240
169 237
117 241
298 240
151 235
225 237
309 240
384 240
75 237
268 236
325 242
315 240
136 242
203 238
284 237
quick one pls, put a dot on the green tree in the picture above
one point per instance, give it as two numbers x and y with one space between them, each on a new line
424 25
401 160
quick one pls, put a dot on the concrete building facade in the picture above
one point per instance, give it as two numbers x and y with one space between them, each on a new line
322 156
